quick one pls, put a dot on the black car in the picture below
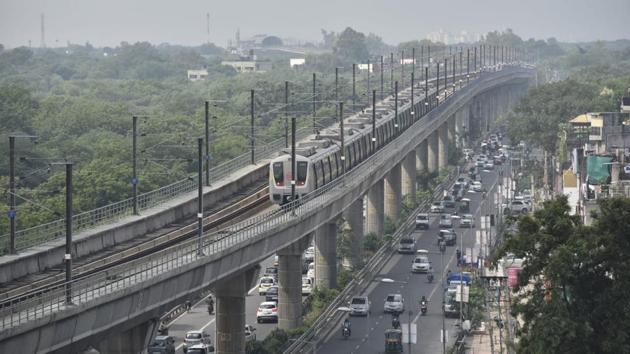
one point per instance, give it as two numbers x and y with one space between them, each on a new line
272 294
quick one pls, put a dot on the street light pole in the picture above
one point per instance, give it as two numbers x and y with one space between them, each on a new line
442 250
207 131
253 137
354 83
337 86
343 147
373 121
68 254
402 68
286 113
199 197
12 212
382 83
293 162
413 107
396 107
134 164
314 104
368 83
391 71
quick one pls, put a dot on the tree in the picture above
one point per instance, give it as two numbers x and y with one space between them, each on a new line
572 288
350 46
17 107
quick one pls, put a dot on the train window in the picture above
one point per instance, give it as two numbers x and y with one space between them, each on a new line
302 171
337 164
278 173
330 169
321 164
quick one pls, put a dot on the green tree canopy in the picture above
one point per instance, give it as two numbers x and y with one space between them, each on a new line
350 46
585 272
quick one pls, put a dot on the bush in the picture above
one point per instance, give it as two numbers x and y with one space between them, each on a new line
371 242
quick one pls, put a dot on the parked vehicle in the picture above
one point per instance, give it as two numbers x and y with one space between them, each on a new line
267 311
162 345
422 221
359 306
516 206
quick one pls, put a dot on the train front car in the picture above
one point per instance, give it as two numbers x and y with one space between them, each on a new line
280 173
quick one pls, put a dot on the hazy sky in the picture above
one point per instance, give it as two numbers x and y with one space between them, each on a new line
108 22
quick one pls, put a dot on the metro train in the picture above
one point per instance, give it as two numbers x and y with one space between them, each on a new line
319 156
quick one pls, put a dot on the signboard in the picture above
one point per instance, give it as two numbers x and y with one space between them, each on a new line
405 332
512 273
459 293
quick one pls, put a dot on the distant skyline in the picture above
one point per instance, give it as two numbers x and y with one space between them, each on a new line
107 23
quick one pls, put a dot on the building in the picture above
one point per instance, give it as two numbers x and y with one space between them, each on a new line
248 64
598 144
197 75
293 62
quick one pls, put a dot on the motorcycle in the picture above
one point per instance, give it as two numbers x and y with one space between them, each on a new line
345 331
423 307
430 277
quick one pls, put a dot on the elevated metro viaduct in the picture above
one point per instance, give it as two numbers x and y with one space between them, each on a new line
128 316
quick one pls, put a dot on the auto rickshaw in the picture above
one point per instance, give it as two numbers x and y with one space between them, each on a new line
464 205
393 341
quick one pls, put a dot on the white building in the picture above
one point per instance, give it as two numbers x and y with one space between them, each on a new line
196 75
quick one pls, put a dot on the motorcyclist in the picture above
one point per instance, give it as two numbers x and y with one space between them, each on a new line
395 321
458 253
423 304
346 325
430 275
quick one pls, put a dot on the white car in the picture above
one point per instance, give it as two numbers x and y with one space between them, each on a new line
421 263
309 254
267 311
477 186
467 221
516 206
359 306
394 303
422 221
307 285
437 207
446 221
194 338
265 283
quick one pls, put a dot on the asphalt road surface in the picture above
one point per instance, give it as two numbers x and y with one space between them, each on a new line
368 332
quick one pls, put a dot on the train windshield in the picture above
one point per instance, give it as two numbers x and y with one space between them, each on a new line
278 173
302 169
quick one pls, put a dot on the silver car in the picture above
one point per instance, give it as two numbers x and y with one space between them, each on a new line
359 306
446 221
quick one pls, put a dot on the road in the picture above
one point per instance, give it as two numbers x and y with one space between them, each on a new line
369 338
198 317
368 332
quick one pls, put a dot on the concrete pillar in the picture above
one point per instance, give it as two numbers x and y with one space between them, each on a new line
421 156
450 128
326 255
409 173
392 193
290 284
432 151
459 117
443 146
134 340
375 209
354 217
230 315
